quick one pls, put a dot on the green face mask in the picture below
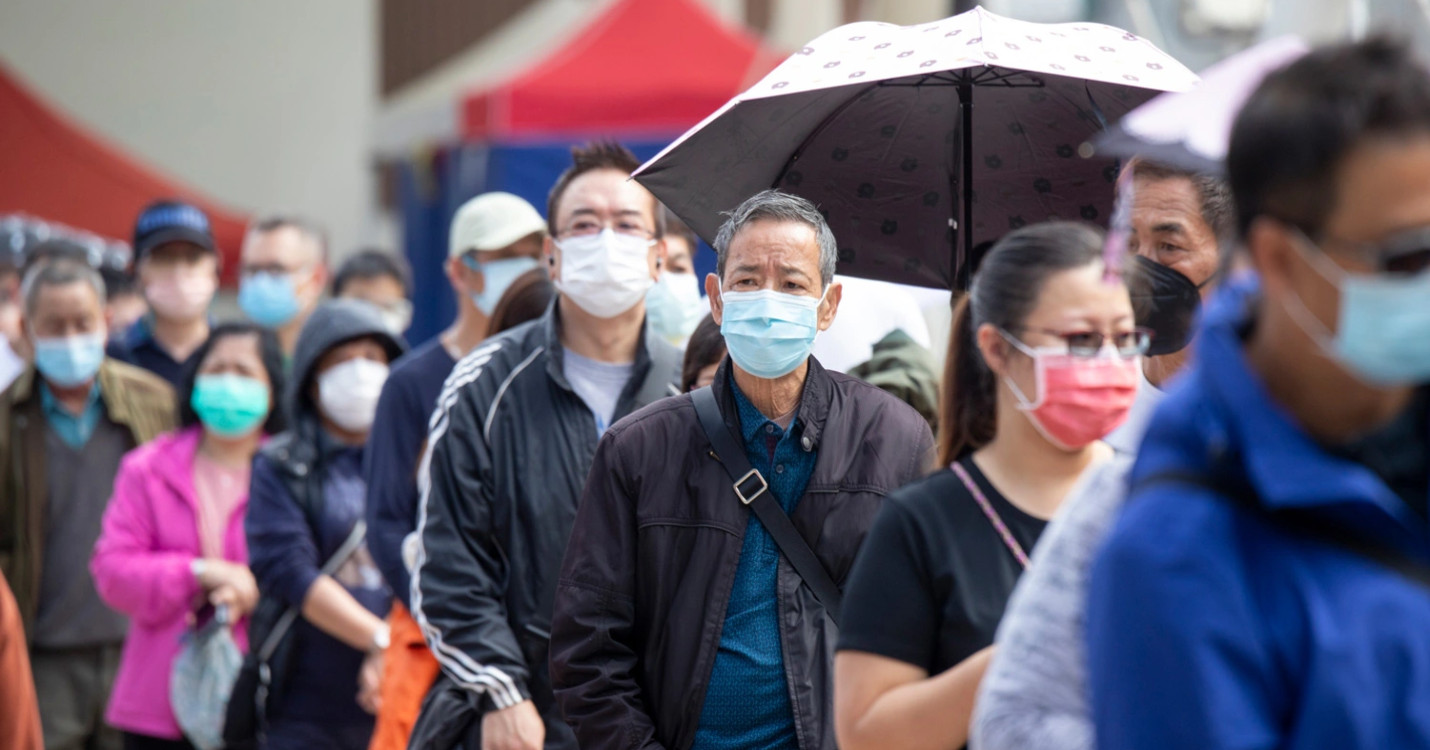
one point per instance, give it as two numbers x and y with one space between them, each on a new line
229 405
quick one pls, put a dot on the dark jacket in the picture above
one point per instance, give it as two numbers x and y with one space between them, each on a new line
296 521
509 450
132 398
641 600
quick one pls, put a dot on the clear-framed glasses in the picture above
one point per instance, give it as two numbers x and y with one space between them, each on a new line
1087 344
1404 253
586 226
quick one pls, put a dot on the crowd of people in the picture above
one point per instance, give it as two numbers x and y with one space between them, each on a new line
614 505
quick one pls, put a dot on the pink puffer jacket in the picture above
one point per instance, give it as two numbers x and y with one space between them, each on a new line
141 566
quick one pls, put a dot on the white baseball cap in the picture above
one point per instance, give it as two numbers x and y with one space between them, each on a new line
491 221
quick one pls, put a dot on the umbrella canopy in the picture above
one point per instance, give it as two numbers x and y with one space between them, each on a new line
882 126
1191 129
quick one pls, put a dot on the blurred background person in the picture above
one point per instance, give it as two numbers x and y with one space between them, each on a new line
703 353
526 299
491 236
172 549
14 349
381 279
19 710
307 497
1043 363
674 306
65 424
905 370
284 269
177 270
123 302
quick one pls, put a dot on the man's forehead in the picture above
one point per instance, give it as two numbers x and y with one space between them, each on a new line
1159 200
606 192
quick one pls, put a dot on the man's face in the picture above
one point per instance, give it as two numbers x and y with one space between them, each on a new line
602 199
386 294
287 251
178 279
470 280
65 310
679 255
1382 190
782 256
1168 227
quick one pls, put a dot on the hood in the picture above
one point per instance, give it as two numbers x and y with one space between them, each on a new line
334 322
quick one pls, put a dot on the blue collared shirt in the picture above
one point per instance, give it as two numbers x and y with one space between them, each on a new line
74 430
747 703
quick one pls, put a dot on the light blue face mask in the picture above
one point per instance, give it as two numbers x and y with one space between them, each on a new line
769 333
673 306
71 360
1383 329
268 299
497 276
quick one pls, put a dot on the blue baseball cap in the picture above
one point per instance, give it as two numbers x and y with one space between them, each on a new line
171 221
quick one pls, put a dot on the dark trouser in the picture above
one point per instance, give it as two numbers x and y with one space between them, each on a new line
73 688
145 742
301 735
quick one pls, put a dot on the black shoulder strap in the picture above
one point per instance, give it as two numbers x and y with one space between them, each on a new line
1302 522
753 491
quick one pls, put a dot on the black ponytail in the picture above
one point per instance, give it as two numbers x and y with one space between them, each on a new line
1005 289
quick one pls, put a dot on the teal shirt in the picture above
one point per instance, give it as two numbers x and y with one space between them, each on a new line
74 430
747 703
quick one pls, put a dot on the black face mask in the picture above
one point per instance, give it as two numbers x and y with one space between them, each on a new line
1165 301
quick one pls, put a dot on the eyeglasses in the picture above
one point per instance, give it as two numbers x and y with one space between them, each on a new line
1088 344
585 227
1402 254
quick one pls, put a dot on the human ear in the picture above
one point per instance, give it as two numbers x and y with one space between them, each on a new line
712 292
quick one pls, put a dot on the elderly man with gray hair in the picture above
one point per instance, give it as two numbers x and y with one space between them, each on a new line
65 424
698 604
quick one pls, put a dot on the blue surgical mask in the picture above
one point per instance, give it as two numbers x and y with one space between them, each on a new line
497 276
673 306
1383 330
769 333
71 360
269 299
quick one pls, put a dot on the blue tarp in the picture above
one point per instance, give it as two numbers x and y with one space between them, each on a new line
431 191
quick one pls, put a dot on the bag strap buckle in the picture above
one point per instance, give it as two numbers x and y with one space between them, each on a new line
754 492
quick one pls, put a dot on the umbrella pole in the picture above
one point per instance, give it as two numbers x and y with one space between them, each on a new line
962 260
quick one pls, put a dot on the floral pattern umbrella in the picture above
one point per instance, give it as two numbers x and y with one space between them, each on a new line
884 126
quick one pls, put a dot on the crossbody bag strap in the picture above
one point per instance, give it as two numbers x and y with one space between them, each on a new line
286 620
1302 523
753 491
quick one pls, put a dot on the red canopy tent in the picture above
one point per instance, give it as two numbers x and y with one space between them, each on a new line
642 66
51 168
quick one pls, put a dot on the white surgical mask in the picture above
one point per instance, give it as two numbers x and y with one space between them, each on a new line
347 393
605 274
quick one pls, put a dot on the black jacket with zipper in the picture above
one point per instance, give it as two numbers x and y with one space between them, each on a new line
652 558
509 448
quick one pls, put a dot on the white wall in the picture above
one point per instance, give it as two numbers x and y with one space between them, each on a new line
260 104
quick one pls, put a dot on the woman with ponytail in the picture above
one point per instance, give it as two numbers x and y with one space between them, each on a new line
1042 363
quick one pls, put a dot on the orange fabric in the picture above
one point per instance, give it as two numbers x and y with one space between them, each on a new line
408 671
19 711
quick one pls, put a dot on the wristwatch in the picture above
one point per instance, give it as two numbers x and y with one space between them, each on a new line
382 638
197 566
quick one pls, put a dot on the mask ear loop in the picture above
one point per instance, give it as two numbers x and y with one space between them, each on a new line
1038 367
1307 320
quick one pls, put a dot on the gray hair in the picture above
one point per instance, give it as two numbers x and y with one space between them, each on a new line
58 272
773 205
308 229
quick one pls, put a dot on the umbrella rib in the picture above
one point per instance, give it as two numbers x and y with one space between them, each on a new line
815 132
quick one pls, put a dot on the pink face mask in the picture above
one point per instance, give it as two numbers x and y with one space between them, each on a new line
1078 399
181 295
